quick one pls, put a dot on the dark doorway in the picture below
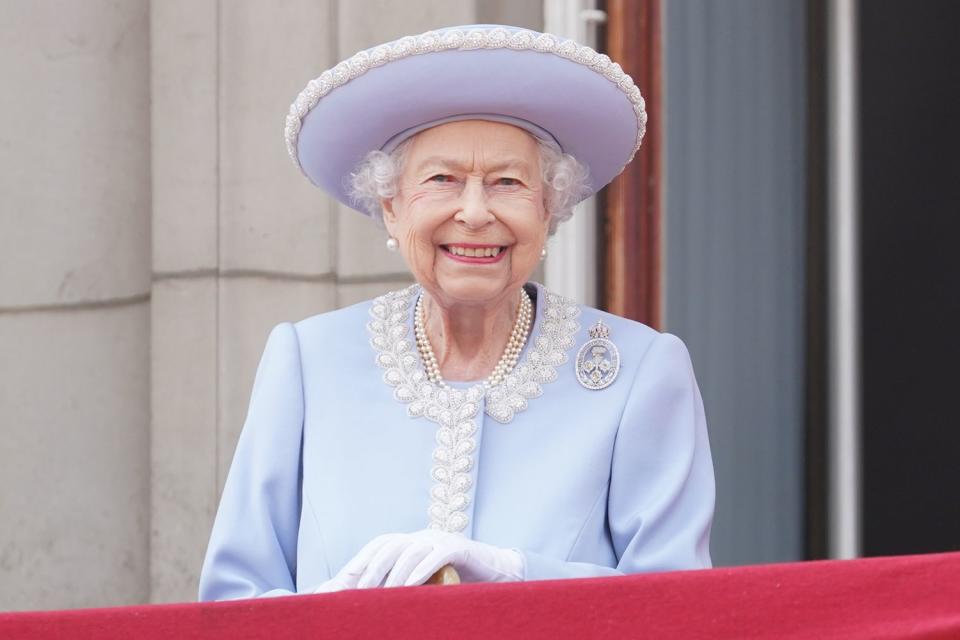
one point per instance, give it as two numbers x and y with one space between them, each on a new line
910 243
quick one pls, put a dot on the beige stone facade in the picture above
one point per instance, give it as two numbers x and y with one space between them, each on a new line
152 231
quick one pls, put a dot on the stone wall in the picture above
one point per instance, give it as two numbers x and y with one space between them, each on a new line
152 231
74 303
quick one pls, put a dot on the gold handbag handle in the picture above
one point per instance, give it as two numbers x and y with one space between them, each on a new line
445 575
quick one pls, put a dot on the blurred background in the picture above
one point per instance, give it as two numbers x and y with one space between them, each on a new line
792 216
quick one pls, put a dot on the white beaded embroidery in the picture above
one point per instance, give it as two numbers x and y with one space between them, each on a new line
432 41
455 410
548 351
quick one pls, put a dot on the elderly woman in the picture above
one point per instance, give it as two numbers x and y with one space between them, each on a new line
474 419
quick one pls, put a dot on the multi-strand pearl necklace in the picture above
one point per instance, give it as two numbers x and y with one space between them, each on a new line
518 338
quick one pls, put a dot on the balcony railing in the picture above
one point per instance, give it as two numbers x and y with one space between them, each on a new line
898 597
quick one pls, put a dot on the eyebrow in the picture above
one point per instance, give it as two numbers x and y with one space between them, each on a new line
445 162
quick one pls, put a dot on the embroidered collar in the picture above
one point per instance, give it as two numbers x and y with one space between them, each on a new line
455 410
554 330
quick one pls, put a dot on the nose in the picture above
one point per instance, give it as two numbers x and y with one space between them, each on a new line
472 210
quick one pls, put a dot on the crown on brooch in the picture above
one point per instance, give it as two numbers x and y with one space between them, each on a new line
599 330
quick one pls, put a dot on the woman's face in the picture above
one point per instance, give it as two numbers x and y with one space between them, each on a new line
469 213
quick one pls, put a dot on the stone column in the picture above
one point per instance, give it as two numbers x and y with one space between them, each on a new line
184 61
74 303
241 242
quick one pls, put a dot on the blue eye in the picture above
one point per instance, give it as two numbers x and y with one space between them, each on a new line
508 182
441 178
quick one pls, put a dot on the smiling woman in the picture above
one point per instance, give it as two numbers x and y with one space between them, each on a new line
544 461
468 186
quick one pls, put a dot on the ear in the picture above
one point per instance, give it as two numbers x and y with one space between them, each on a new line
547 220
389 214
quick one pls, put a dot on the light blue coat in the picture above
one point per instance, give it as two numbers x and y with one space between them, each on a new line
346 440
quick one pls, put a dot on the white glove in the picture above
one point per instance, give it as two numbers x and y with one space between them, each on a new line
407 559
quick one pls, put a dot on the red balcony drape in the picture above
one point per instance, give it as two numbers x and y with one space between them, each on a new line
899 597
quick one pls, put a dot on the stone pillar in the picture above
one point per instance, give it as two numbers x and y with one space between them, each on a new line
241 242
74 303
184 62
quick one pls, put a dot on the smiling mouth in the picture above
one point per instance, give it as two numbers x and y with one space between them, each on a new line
474 253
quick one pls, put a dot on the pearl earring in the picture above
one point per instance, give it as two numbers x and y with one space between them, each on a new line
392 244
543 252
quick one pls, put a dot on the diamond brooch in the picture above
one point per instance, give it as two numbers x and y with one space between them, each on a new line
598 361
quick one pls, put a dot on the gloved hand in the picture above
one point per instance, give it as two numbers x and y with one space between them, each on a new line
406 559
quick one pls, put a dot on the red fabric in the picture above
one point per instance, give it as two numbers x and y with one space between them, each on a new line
901 597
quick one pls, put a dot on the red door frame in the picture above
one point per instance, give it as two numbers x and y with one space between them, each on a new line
632 210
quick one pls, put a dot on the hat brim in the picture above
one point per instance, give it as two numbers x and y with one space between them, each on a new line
590 116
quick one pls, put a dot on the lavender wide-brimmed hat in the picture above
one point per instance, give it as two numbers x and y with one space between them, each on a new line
564 93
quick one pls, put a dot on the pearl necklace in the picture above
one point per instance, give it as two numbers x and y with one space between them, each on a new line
518 338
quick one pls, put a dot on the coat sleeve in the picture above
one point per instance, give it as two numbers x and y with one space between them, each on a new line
661 496
253 545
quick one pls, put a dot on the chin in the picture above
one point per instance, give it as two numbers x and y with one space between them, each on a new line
474 289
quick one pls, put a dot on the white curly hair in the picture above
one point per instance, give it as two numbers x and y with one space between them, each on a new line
566 181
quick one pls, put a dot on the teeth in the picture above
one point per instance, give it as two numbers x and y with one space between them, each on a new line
485 252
